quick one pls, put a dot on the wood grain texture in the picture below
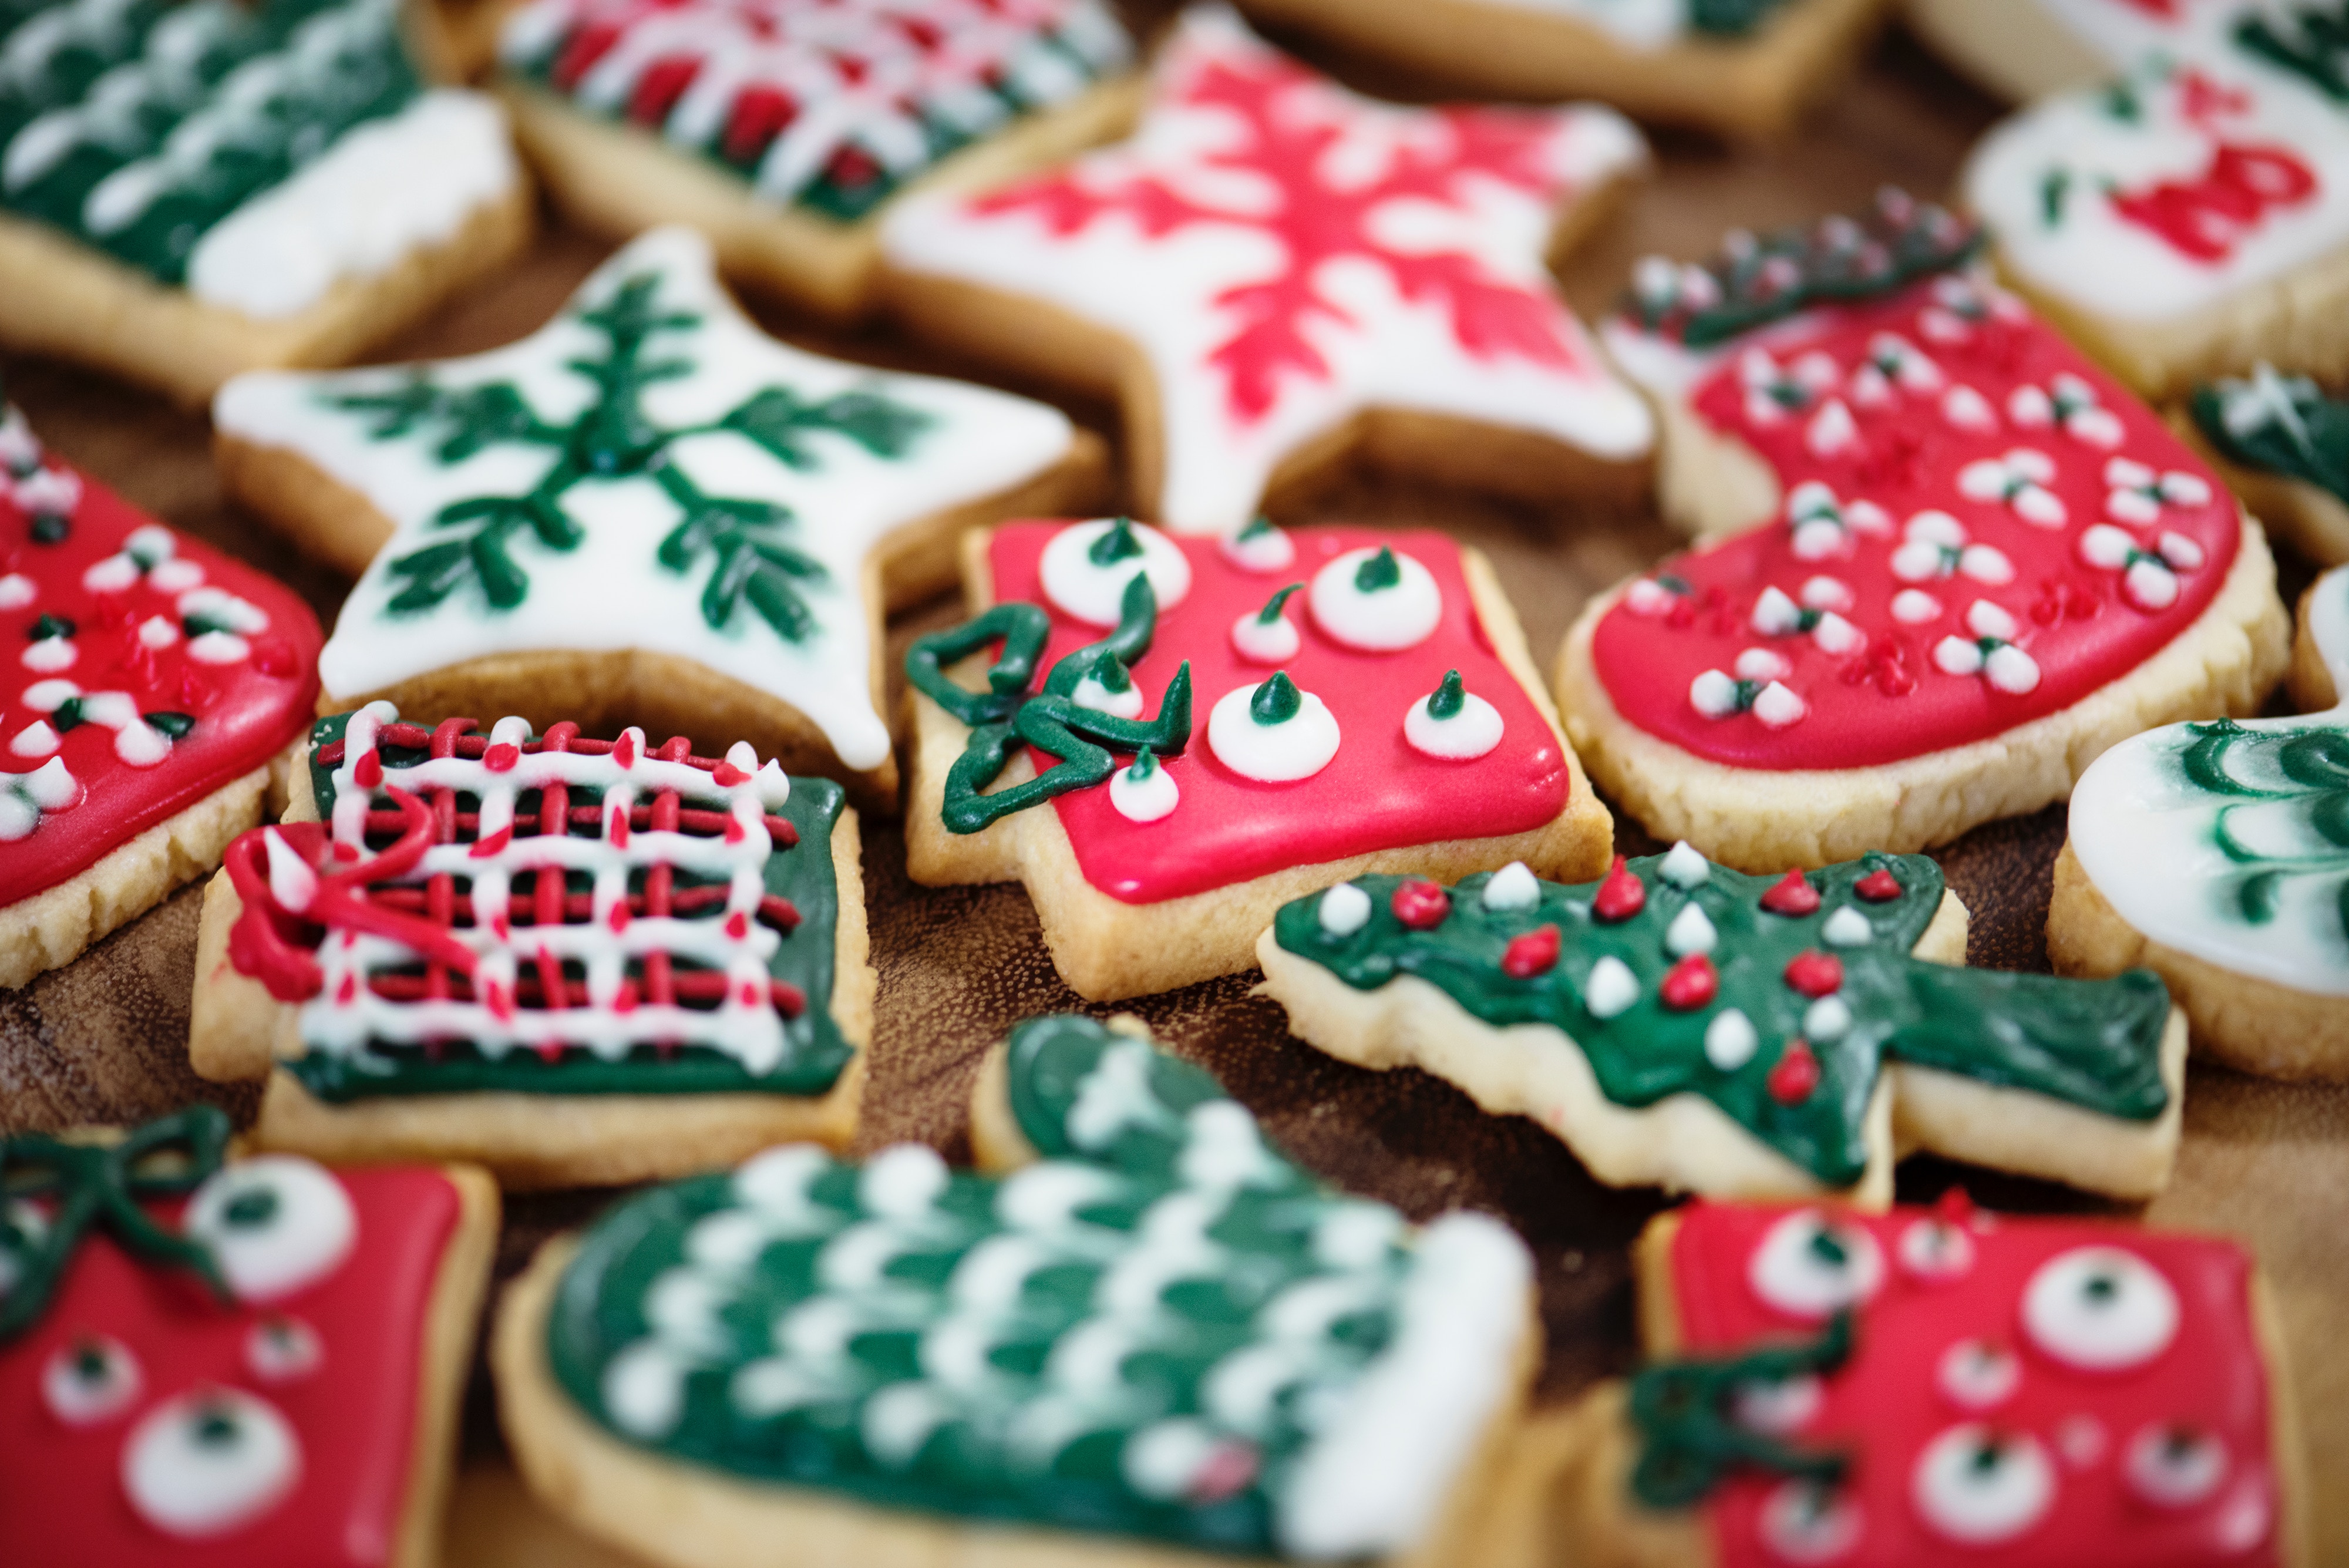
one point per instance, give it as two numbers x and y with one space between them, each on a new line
104 1040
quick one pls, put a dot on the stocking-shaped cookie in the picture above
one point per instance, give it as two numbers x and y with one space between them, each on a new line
2281 444
1688 1025
2218 854
576 962
1155 1336
253 1364
1940 1387
1965 562
648 513
1173 736
1274 272
149 690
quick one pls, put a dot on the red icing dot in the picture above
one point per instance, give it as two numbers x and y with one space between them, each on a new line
727 776
1795 1076
368 770
502 758
1792 895
1690 983
549 1050
1532 953
1420 905
738 925
493 845
1815 973
1622 896
1878 886
618 919
624 753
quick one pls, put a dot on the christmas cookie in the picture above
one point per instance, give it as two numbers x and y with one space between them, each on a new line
1946 560
785 131
577 962
1234 722
648 513
251 1361
2185 219
189 190
1158 1341
2218 855
151 689
1684 1024
1937 1387
2026 50
1275 274
2283 445
1748 67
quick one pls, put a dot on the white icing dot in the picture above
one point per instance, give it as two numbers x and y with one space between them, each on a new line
1730 1040
1261 548
2175 1467
1777 706
643 1389
282 1349
140 745
1985 618
1512 886
1713 694
1691 932
1295 748
175 576
2081 1441
1344 909
1977 1374
1934 1249
1382 619
275 1223
1611 989
1093 693
207 1461
1778 1408
1812 1266
1826 1019
1980 1488
1836 635
1775 615
1847 927
36 739
48 655
90 1380
1147 799
1094 593
1159 1460
158 632
1470 734
16 591
218 648
2100 1308
1260 641
902 1181
2011 669
1684 867
1914 607
1823 593
1804 1523
111 575
1761 663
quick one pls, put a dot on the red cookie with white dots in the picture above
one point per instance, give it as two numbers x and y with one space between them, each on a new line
1944 561
1931 1388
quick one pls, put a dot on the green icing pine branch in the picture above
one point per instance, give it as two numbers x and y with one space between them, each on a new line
742 538
1690 1437
2307 766
2281 424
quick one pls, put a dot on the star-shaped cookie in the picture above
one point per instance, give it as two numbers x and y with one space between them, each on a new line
649 512
1275 273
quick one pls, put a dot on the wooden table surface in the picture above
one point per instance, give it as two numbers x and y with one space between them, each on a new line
104 1040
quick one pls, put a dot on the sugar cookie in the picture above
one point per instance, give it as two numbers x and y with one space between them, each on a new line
2025 49
2283 446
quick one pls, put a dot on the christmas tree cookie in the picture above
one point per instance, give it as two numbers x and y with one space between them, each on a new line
2283 445
189 190
785 131
2185 220
649 512
1274 274
1934 1388
1943 562
2218 855
1745 67
2025 49
236 1361
576 962
1683 1024
1218 726
153 694
1156 1341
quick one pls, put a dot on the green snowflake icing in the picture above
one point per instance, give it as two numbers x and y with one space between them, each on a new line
2281 424
741 538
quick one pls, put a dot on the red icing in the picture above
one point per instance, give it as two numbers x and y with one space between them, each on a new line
1878 886
1883 1407
1621 896
61 1493
1790 1083
2206 218
1531 953
244 711
1690 983
1376 793
1815 973
1885 700
1422 906
1792 895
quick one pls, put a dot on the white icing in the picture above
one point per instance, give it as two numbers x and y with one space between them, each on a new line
1168 294
86 1396
1344 909
136 742
1468 734
1151 799
2172 1468
1691 932
1982 1501
1611 989
275 1223
188 1481
1827 1019
1093 693
1264 550
359 209
1777 706
1260 641
1977 1374
1400 615
1847 927
282 1350
1094 593
36 739
23 797
16 591
2101 1309
1684 867
1730 1040
611 593
1812 1266
2019 481
1934 1249
1780 1407
48 655
1512 886
1802 1523
1297 748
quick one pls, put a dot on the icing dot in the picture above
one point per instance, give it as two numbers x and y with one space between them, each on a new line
1980 1487
2175 1466
36 739
1826 1020
1815 973
1689 984
1878 886
1451 724
282 1349
1795 1075
1420 905
1251 734
2100 1309
1811 1266
1512 886
1778 1406
92 1379
1934 1249
1530 953
110 575
1761 663
1977 1374
1611 989
1914 607
1085 568
1344 909
1730 1040
275 1223
1804 1523
1683 868
16 591
1143 791
1792 895
1691 932
207 1461
1261 547
50 654
1375 600
2081 1441
1122 700
1777 706
1268 637
1621 896
643 1389
1823 593
1847 927
158 632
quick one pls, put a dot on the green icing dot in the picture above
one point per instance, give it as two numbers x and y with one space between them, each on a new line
1272 611
1118 543
1381 571
1449 698
1277 700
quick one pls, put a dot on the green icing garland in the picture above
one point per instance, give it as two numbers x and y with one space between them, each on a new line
2308 765
138 127
2312 42
1690 1437
2281 424
942 1372
816 1050
1801 1091
611 438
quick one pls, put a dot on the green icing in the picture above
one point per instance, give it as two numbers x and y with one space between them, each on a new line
2094 1044
1689 1436
2281 424
1730 18
2304 768
1276 702
613 438
815 1051
2312 42
138 127
1139 1335
1446 701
